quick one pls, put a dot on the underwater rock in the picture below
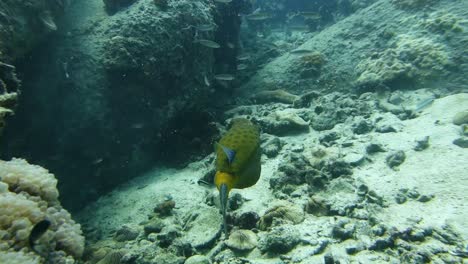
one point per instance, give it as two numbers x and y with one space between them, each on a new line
389 107
235 201
242 240
317 206
328 139
272 147
284 122
395 159
464 130
280 96
247 220
422 144
126 233
343 230
181 248
306 99
353 249
401 196
383 243
204 227
462 142
335 108
387 123
409 4
153 226
167 258
362 126
168 235
354 158
26 24
287 212
374 148
334 168
460 118
328 258
198 259
425 198
281 239
165 208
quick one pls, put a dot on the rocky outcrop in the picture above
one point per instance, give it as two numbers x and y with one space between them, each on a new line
389 45
127 90
23 24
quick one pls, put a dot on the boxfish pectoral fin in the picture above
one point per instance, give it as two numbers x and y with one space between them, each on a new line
223 198
230 154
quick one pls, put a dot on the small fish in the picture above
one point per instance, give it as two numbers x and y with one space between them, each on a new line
311 15
241 67
37 231
138 126
224 77
207 82
243 57
97 161
300 51
424 104
205 27
230 45
208 43
201 181
142 187
223 1
260 16
299 28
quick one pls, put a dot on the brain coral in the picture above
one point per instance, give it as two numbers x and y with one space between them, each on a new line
34 180
28 194
410 58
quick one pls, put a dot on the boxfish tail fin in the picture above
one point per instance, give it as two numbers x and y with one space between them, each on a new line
223 198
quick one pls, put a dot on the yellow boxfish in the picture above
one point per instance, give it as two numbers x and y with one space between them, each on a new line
237 160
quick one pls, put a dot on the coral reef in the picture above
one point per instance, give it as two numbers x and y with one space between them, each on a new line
412 59
286 212
9 90
7 104
28 194
444 23
310 65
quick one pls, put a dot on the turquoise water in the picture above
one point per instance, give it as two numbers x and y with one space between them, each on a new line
361 106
